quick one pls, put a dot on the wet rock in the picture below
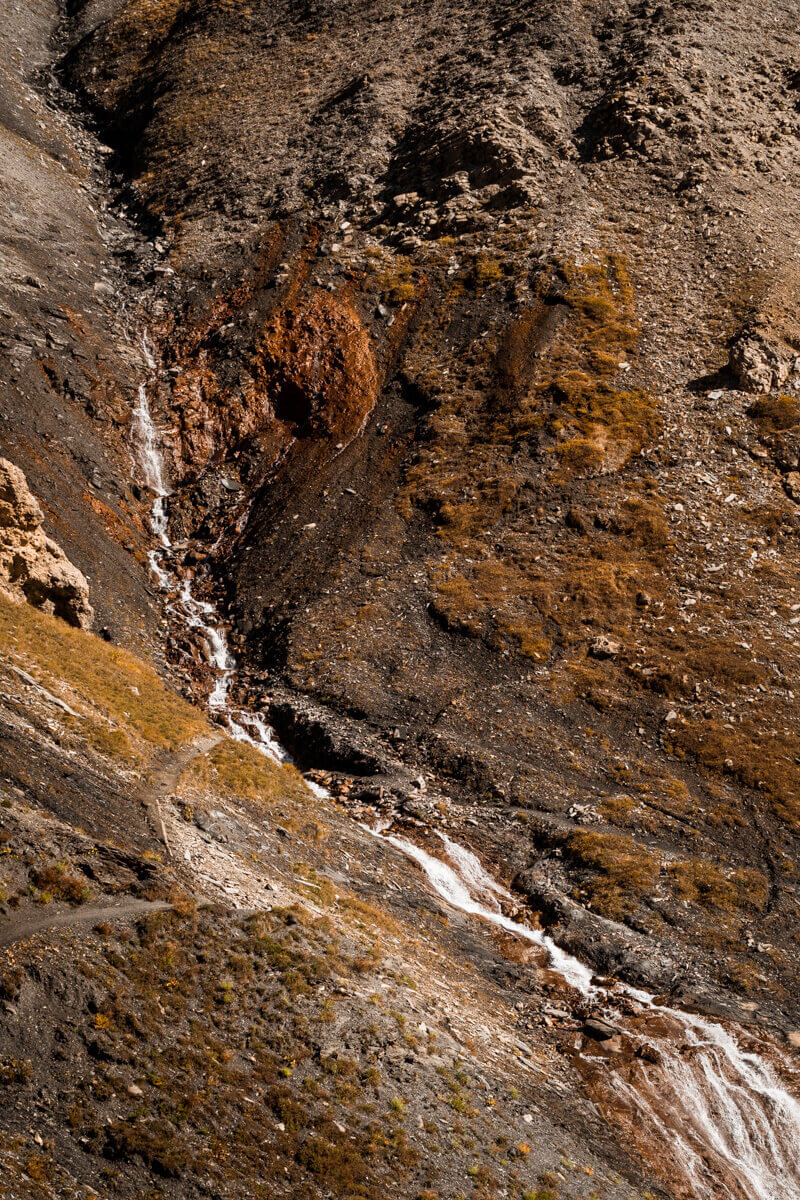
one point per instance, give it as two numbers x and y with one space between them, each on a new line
609 947
313 734
543 896
33 567
599 1029
413 806
648 1053
372 796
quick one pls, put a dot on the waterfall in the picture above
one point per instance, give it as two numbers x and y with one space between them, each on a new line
198 615
720 1112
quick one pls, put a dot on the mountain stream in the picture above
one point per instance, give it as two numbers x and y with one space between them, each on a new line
721 1117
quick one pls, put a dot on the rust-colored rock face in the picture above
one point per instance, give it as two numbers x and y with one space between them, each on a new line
194 397
318 367
311 373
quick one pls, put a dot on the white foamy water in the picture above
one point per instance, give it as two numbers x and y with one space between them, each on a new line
466 886
147 443
253 729
721 1112
198 615
728 1109
148 457
481 883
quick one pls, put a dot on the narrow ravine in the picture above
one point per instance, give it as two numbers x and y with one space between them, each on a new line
723 1121
197 615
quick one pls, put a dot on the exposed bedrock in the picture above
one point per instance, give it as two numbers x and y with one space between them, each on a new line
33 567
457 353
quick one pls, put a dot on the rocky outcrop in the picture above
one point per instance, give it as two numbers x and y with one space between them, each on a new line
766 354
32 566
309 372
318 366
760 366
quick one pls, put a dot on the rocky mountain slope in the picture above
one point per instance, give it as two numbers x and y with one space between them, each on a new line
471 338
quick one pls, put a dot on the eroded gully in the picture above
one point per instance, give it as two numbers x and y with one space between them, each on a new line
718 1113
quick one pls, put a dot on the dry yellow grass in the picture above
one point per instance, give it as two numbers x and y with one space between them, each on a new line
241 771
113 682
622 870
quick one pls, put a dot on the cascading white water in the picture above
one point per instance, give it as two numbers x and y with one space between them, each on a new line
196 614
726 1107
460 887
148 455
146 440
721 1112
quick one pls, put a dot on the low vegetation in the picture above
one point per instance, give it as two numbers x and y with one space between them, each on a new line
136 705
56 881
207 1058
543 408
238 769
776 413
621 871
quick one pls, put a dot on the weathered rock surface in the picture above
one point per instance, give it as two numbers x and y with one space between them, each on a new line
69 362
32 566
759 366
765 356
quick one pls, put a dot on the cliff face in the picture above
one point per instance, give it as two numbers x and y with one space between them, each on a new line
68 362
472 338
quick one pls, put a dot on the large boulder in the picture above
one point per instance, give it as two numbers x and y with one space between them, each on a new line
759 365
766 354
33 567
